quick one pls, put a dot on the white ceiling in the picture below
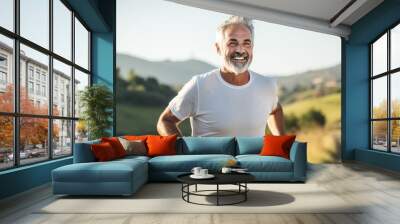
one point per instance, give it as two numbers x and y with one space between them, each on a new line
316 15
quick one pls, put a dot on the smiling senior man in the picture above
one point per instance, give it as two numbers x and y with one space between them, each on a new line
231 100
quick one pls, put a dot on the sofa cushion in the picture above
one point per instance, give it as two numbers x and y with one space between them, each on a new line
103 152
185 163
257 163
249 145
277 145
206 145
161 145
134 147
111 171
116 145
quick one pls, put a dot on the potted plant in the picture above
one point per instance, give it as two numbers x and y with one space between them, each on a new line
96 102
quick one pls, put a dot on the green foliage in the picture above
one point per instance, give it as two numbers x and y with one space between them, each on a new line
136 90
291 123
312 118
97 103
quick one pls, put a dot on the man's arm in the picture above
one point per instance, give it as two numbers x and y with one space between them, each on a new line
168 123
276 121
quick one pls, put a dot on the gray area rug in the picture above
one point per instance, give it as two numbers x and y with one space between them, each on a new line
166 198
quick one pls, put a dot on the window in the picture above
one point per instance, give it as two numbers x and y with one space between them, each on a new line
35 21
7 14
3 61
81 45
38 89
6 74
30 73
44 91
54 126
37 74
3 72
30 87
3 78
385 96
43 77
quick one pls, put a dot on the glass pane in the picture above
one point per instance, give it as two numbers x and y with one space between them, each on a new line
6 142
81 45
62 29
33 139
34 81
379 55
395 47
62 138
6 74
7 14
35 21
81 131
81 81
395 138
395 94
62 89
379 135
379 98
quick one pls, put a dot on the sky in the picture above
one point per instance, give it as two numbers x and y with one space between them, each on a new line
161 30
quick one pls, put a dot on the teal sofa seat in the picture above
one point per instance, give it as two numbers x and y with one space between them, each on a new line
125 176
118 177
167 168
257 163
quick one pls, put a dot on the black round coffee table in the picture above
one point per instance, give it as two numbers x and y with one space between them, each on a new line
238 179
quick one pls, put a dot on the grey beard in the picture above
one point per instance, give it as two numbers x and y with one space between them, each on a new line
238 68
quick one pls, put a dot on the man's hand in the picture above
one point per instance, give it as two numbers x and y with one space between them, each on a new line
276 121
168 123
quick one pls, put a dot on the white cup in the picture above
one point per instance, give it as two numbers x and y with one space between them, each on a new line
196 170
226 170
203 172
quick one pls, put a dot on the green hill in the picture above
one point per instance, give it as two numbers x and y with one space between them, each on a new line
174 73
329 105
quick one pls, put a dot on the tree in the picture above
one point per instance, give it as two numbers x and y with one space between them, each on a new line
291 123
33 131
312 118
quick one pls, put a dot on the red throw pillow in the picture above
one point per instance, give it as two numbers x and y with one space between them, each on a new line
116 145
103 151
277 145
161 145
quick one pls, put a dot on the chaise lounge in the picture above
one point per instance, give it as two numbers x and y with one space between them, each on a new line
125 176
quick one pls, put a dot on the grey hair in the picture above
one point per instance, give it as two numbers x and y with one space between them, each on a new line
232 21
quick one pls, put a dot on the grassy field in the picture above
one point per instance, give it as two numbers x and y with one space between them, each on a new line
142 120
323 143
329 105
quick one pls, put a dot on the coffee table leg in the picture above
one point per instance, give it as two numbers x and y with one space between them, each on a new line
196 188
245 193
217 194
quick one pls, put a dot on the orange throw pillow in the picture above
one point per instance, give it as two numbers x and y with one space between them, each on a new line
161 145
116 145
135 137
277 145
103 151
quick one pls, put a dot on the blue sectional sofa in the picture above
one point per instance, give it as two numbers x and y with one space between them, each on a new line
125 176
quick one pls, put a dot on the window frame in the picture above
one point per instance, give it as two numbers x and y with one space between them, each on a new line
16 114
388 74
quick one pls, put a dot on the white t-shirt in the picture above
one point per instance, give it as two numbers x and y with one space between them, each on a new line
218 108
